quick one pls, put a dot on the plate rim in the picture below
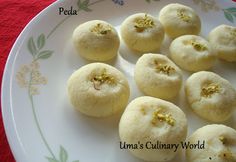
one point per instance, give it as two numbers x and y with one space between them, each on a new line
8 118
6 108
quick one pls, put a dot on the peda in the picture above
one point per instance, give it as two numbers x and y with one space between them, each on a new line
192 53
223 42
220 144
156 75
148 120
98 90
210 96
179 20
142 33
96 40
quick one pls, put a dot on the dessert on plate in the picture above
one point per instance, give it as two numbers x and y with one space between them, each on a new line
220 144
142 32
223 41
98 90
178 19
210 96
96 40
156 75
149 121
192 53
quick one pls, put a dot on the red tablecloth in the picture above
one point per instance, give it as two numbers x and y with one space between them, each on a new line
14 16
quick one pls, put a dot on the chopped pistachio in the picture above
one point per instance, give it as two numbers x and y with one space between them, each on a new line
157 115
233 33
98 80
198 46
223 139
183 16
169 119
143 23
166 69
101 29
143 110
209 90
154 116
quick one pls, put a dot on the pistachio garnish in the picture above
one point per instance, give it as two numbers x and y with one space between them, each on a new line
98 80
198 46
158 116
233 33
209 90
183 16
144 23
101 29
223 139
143 110
166 69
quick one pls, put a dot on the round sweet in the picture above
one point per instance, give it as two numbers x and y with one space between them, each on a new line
96 40
220 144
98 90
178 20
156 75
210 96
223 41
148 120
142 33
192 53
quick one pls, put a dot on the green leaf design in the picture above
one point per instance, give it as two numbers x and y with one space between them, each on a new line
31 46
44 54
63 154
52 159
231 9
83 5
149 1
41 41
230 13
87 9
229 17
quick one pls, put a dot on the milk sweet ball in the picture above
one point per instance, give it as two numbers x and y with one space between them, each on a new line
142 32
179 20
96 40
98 90
220 144
210 96
148 120
156 75
223 41
192 53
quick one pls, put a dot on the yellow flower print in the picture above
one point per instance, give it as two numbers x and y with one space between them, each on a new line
30 77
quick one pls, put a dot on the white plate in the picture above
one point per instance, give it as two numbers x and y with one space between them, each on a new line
41 125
